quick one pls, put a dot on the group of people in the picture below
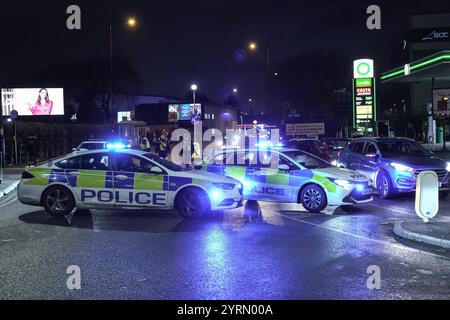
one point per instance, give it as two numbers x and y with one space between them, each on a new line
159 143
158 140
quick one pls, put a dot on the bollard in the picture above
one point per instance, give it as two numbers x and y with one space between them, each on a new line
427 195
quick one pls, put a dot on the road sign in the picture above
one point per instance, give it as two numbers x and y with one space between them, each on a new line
14 114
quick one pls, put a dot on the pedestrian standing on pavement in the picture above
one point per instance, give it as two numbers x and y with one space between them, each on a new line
144 144
164 145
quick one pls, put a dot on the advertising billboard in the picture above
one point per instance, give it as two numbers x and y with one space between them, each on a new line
185 112
441 103
33 101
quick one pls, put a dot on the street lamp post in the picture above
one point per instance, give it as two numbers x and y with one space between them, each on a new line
253 46
131 22
193 88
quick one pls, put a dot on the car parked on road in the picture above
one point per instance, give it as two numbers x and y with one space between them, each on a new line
295 177
312 146
125 179
333 146
393 164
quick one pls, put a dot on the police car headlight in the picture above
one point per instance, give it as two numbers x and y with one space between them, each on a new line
401 167
448 166
224 185
342 183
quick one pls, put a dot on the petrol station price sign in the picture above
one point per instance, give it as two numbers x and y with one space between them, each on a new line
364 103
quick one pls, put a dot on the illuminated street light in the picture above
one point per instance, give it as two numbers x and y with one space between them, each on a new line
235 90
131 22
253 46
194 88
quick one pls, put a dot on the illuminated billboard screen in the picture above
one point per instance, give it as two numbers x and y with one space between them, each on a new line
185 112
33 101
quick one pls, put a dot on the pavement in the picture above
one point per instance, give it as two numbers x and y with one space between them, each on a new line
10 180
433 233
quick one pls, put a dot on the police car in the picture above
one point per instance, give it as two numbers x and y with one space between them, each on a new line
105 179
290 175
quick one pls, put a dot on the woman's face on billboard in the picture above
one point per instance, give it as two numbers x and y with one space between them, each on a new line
43 94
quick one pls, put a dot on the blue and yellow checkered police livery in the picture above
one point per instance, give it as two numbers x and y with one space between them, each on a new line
287 180
143 180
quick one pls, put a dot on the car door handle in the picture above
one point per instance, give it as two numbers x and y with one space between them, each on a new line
121 177
74 173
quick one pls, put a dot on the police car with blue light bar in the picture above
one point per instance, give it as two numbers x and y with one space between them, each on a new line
282 174
121 179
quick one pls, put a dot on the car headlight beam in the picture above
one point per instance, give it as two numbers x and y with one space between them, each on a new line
224 185
342 183
401 167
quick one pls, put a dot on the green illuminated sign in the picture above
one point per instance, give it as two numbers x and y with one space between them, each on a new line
418 65
363 82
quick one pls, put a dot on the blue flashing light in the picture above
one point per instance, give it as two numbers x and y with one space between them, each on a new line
116 146
248 184
359 187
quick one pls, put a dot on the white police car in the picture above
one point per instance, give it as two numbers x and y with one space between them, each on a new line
290 175
105 179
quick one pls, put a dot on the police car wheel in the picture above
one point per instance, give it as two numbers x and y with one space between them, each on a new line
191 203
313 198
384 186
58 201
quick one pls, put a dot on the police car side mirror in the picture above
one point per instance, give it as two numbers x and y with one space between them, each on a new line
156 170
74 149
283 167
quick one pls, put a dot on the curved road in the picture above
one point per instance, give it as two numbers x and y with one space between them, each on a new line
282 253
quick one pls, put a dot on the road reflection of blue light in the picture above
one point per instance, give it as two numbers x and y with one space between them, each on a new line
215 248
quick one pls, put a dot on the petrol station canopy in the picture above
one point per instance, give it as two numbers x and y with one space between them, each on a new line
436 66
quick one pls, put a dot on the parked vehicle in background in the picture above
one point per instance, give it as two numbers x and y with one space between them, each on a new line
393 164
333 146
102 144
313 146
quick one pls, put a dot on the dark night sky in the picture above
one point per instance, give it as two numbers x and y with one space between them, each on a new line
180 42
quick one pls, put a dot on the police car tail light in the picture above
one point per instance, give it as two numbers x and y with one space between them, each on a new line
27 175
223 186
401 167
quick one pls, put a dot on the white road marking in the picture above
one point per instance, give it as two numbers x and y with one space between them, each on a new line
390 209
395 245
8 201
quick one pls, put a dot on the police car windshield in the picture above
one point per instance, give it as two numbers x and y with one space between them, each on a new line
167 164
307 160
401 148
